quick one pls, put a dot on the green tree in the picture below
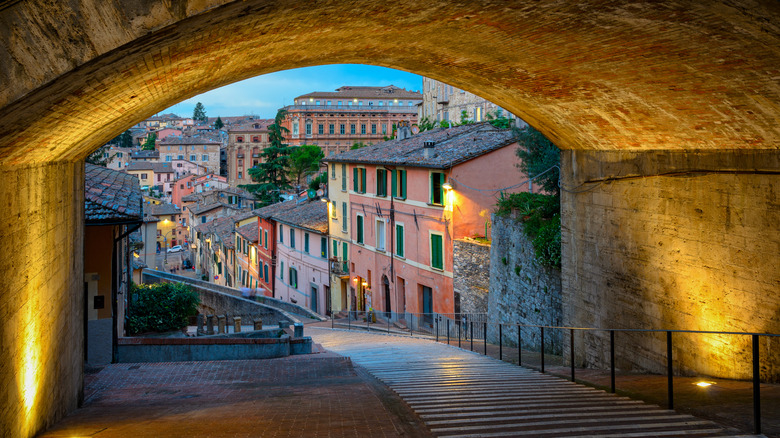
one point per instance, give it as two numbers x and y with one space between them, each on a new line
99 157
360 145
498 120
426 124
199 113
218 124
123 140
322 179
150 141
304 159
444 124
271 174
538 156
464 118
160 307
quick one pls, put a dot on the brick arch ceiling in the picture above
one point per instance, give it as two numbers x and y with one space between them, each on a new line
592 75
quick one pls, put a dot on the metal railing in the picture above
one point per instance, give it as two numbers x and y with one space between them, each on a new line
469 329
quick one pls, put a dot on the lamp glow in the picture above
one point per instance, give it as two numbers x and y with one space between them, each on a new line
703 384
447 186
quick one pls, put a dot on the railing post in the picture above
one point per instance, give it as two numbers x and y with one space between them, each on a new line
670 382
500 343
571 352
436 321
612 361
448 331
460 323
349 321
756 389
368 320
519 347
542 349
471 325
484 335
389 315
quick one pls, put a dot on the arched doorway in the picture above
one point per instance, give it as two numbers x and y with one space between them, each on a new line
386 293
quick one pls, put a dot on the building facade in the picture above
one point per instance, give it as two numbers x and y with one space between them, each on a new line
199 150
246 142
336 120
443 102
406 201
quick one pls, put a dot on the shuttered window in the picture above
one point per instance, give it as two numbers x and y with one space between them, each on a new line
437 252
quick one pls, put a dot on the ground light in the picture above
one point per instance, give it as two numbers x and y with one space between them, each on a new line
703 384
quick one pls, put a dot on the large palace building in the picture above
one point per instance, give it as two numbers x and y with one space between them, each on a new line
336 120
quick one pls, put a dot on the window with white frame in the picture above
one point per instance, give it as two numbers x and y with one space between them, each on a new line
380 234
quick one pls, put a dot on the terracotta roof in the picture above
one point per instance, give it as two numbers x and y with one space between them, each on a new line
312 215
111 196
222 227
164 209
249 231
451 146
145 154
269 211
347 91
149 165
185 140
249 126
208 207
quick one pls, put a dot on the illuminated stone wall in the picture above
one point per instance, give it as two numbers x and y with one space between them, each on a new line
41 294
661 247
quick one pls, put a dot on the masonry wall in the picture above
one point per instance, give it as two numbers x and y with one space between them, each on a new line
41 295
471 275
521 290
675 241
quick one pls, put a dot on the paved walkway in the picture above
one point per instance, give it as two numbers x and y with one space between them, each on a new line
319 395
462 394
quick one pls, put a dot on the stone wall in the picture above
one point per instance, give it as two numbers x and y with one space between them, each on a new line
471 272
521 290
670 240
41 295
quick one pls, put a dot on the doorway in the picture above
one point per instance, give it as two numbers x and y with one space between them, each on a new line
427 307
386 290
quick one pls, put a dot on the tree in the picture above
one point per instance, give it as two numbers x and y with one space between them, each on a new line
538 154
498 120
161 307
218 123
150 141
426 124
271 174
123 140
360 144
320 180
304 159
199 113
99 157
464 118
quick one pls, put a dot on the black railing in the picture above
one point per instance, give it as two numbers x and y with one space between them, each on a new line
473 328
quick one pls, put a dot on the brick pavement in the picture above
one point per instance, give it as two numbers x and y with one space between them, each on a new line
320 395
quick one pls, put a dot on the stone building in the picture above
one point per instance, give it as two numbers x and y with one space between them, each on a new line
443 102
336 120
245 143
199 150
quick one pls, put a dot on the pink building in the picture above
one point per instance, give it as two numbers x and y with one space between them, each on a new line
302 255
182 187
405 201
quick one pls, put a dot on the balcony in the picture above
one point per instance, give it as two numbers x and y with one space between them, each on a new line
354 109
445 99
338 267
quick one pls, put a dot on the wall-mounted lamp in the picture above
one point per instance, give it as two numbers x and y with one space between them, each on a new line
447 186
324 199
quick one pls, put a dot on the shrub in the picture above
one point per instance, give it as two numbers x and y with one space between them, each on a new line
160 307
541 218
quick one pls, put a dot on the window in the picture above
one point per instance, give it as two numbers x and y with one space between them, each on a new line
293 278
343 177
181 148
181 186
333 170
203 219
240 139
324 247
398 181
320 129
399 240
380 235
384 128
193 158
333 210
359 179
306 242
281 233
437 191
296 128
335 249
265 239
363 128
331 129
143 176
359 226
281 272
437 251
381 182
292 238
265 273
381 102
255 139
168 158
344 218
308 128
204 147
342 129
352 129
204 157
240 175
180 157
373 128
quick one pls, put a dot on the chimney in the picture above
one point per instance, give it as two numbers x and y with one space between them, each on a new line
404 130
428 148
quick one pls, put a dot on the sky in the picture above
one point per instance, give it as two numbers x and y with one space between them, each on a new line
263 95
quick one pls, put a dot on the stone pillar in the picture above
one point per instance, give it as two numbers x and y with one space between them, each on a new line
236 324
298 330
200 324
41 294
222 324
210 325
258 324
673 240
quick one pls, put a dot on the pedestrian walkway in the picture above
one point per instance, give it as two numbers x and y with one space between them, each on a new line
458 393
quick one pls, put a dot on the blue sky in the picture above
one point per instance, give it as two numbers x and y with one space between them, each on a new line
263 95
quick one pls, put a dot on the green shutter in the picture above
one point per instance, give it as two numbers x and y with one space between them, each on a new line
335 249
394 182
306 242
344 251
360 229
343 177
437 256
363 180
399 240
355 179
403 184
323 247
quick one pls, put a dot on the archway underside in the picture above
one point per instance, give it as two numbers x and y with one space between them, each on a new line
591 75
